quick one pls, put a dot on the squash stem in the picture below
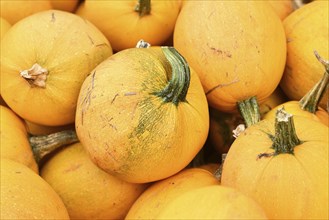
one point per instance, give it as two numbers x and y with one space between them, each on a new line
177 87
143 7
285 139
249 110
43 145
36 76
311 100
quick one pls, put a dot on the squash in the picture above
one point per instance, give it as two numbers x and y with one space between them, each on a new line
306 31
155 198
235 48
142 114
4 26
87 191
282 164
36 129
14 11
47 69
308 105
25 195
65 5
282 8
275 99
14 139
126 22
212 202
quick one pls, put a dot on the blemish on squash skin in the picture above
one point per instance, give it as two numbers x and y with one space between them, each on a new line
91 40
87 99
72 168
115 96
220 85
220 52
53 19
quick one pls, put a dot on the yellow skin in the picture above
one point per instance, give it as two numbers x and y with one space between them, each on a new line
231 47
282 8
124 27
67 46
14 139
25 195
132 133
4 26
303 70
162 192
212 202
87 191
282 178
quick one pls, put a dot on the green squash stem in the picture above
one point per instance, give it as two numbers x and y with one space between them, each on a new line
285 139
177 87
143 7
43 145
249 110
311 100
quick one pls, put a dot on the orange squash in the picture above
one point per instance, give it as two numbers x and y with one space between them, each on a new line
14 139
139 111
25 195
235 48
306 31
36 129
308 105
155 198
124 23
14 11
212 202
45 59
65 5
87 191
283 165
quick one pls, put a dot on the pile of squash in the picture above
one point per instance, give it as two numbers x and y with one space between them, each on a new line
147 109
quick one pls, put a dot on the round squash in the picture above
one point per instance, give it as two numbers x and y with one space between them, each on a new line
14 139
212 202
25 195
155 198
4 26
65 5
308 105
306 31
124 23
142 114
14 11
36 129
87 191
238 49
282 8
283 165
44 61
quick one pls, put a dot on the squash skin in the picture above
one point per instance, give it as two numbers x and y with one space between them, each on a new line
14 11
25 195
297 182
5 26
87 191
14 139
212 202
125 27
232 50
302 69
159 194
294 108
68 46
142 138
